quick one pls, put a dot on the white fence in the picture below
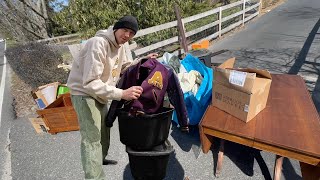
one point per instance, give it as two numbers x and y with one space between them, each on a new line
249 10
219 22
66 39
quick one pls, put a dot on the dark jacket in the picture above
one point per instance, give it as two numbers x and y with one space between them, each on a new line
156 80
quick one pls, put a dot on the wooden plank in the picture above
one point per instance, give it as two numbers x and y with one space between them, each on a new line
199 16
58 37
156 45
206 140
154 29
260 7
70 42
232 16
220 22
231 5
182 35
55 110
227 136
286 153
243 11
202 28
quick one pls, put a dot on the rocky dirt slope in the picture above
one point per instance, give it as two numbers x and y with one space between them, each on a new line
33 65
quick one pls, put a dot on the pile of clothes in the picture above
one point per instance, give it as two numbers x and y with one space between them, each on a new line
195 79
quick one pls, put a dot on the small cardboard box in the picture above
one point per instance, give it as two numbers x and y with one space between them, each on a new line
45 95
39 125
242 93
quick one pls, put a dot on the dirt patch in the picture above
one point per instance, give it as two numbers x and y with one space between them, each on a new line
23 102
34 65
272 5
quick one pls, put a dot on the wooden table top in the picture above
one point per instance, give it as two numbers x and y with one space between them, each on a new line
290 120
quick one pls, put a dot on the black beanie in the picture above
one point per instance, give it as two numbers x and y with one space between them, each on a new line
128 21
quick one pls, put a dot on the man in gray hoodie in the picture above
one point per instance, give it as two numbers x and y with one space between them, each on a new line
92 82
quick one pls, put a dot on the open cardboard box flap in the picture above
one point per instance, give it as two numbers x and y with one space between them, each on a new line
247 80
261 73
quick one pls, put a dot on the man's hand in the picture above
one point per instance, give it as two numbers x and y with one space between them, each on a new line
131 93
152 55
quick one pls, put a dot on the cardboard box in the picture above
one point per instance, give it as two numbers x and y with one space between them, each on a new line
39 125
242 93
46 94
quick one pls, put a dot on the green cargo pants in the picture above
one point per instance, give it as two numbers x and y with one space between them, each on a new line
95 136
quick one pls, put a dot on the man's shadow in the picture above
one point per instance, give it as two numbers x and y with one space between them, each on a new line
174 170
186 141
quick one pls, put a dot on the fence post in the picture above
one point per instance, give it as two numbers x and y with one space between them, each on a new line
220 23
244 12
183 39
260 7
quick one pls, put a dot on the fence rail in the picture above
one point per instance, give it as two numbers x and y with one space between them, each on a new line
245 14
62 39
219 22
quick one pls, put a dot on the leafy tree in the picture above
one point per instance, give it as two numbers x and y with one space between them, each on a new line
89 16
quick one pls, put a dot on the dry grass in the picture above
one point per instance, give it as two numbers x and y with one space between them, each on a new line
34 65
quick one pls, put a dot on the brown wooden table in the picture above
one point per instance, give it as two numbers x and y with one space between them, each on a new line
289 126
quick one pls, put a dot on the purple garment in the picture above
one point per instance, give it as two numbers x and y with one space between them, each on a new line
154 87
155 80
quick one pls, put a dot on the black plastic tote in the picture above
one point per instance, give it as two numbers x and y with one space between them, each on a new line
150 165
143 132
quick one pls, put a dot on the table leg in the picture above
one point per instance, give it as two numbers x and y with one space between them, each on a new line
309 172
220 158
277 167
206 141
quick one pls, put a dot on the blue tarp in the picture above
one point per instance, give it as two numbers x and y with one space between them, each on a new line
198 103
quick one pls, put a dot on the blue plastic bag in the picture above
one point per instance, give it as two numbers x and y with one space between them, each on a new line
198 103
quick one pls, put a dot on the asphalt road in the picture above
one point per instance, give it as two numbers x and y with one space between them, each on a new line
7 117
285 40
285 36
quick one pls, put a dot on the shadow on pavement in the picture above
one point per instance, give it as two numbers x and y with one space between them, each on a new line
174 168
243 157
301 60
187 141
288 170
